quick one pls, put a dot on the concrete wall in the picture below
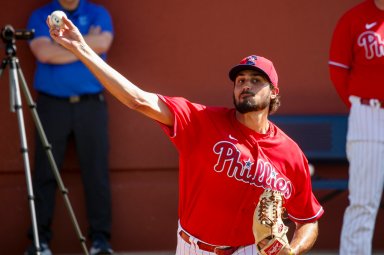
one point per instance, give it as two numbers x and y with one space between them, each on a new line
178 48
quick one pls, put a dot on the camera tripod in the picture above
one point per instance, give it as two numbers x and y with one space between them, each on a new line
15 73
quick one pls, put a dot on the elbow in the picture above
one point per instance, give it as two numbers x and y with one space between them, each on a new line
104 44
136 104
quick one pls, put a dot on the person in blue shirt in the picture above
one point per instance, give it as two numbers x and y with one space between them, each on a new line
71 105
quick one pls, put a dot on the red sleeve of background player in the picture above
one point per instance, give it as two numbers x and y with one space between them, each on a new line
340 57
303 206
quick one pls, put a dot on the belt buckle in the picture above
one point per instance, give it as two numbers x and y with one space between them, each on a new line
375 103
74 99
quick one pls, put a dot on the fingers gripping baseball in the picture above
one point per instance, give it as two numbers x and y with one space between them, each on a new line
268 227
64 32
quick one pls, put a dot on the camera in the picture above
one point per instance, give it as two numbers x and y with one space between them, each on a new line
10 35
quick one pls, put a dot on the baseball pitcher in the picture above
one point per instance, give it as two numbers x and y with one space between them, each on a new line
239 173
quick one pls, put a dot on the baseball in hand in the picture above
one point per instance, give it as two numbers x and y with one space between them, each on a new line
56 18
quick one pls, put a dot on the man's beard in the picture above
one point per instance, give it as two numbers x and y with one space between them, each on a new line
248 104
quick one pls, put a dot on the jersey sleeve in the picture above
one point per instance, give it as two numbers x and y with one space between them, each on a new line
303 206
340 57
341 49
184 112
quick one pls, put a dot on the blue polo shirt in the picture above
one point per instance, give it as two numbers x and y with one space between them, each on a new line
64 80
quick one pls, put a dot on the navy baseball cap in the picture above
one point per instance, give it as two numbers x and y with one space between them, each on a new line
257 63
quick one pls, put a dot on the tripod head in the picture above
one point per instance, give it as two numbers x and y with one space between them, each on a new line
9 36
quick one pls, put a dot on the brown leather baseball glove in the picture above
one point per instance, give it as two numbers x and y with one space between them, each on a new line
268 225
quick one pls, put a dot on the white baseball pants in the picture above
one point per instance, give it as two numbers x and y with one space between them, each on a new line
365 152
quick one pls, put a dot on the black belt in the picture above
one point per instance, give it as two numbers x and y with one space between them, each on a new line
372 102
77 98
220 250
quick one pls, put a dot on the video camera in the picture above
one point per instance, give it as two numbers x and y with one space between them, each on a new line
10 35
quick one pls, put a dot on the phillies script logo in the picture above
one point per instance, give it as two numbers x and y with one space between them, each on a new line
372 44
262 174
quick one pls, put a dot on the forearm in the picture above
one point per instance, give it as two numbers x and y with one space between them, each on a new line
49 52
55 54
117 84
99 43
304 237
124 90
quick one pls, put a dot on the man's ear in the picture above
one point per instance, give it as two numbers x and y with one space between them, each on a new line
274 92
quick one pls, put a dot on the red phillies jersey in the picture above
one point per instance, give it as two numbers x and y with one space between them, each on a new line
225 166
357 52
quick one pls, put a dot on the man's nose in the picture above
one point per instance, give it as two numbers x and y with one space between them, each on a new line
247 84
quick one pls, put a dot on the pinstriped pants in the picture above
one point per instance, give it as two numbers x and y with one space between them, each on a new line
365 152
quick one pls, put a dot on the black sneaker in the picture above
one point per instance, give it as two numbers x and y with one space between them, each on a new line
100 247
43 247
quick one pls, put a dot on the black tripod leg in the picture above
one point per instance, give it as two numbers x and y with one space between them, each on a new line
15 92
51 159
